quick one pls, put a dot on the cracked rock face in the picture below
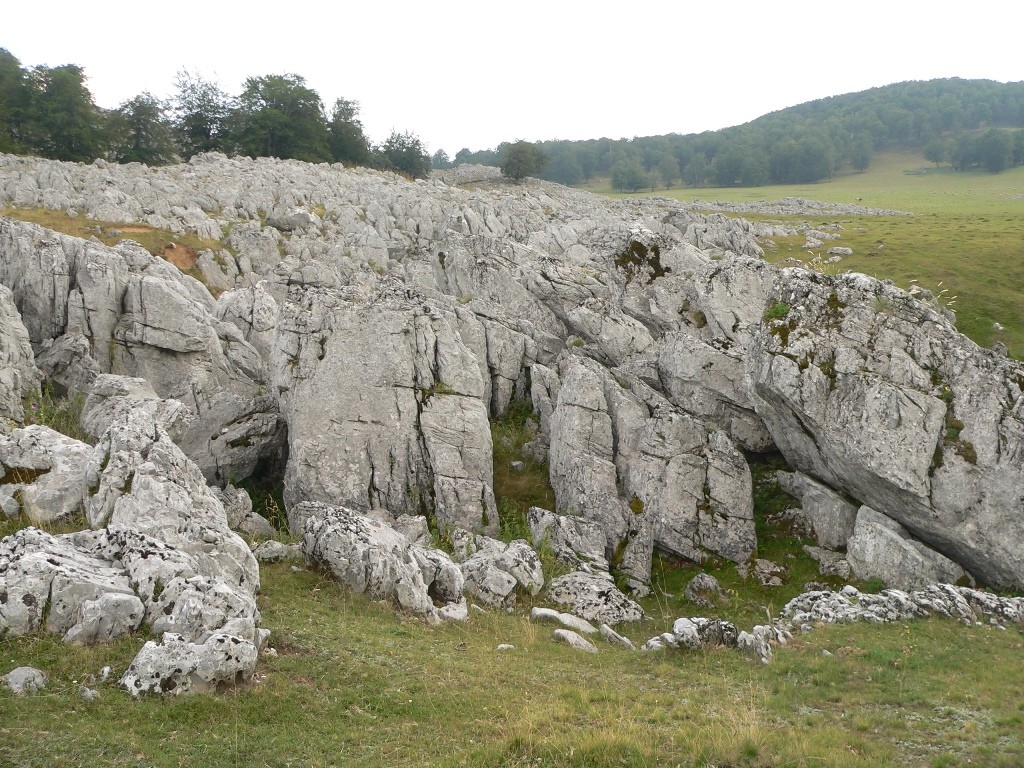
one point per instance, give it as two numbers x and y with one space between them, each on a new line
369 556
92 309
897 410
386 410
648 473
369 328
19 376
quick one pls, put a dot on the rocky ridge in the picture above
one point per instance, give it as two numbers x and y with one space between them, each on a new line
367 328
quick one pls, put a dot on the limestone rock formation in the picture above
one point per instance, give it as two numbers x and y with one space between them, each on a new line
175 666
898 411
881 548
645 471
369 328
594 597
494 571
45 474
19 376
22 680
832 517
369 556
850 604
139 316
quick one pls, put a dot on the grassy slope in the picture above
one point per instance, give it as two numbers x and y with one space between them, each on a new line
967 234
354 684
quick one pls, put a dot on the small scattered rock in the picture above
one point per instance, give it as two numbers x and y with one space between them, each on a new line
704 590
567 620
23 680
505 647
576 641
769 574
615 638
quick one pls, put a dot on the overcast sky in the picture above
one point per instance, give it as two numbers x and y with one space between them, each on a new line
473 74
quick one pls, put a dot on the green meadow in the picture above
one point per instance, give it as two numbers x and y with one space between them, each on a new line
964 240
354 684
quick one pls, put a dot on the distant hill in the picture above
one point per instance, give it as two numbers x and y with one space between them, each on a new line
963 122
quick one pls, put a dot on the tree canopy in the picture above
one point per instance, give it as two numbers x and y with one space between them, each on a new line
279 116
405 154
140 132
521 159
346 139
972 124
200 111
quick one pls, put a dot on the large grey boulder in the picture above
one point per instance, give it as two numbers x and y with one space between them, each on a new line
895 409
46 473
177 667
594 597
881 548
369 556
44 581
495 571
385 408
22 680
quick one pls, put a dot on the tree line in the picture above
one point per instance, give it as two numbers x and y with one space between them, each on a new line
964 122
49 112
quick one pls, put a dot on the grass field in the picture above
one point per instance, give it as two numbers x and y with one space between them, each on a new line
355 684
967 234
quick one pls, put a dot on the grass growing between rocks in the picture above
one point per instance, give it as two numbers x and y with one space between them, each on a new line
179 249
967 234
355 684
61 414
746 601
520 481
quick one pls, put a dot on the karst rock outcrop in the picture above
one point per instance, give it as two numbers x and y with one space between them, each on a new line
355 333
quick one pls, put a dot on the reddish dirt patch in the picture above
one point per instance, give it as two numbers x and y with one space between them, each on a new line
133 229
181 256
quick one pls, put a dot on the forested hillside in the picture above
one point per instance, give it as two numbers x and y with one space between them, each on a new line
49 112
956 121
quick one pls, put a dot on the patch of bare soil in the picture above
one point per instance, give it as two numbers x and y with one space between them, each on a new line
181 256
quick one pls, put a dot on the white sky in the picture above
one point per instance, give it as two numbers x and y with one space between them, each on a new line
473 74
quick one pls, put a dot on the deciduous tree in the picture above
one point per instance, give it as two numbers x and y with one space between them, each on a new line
199 114
141 133
405 153
345 134
65 124
279 116
522 159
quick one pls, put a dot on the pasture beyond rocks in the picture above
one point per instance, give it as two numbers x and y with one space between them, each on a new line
355 337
